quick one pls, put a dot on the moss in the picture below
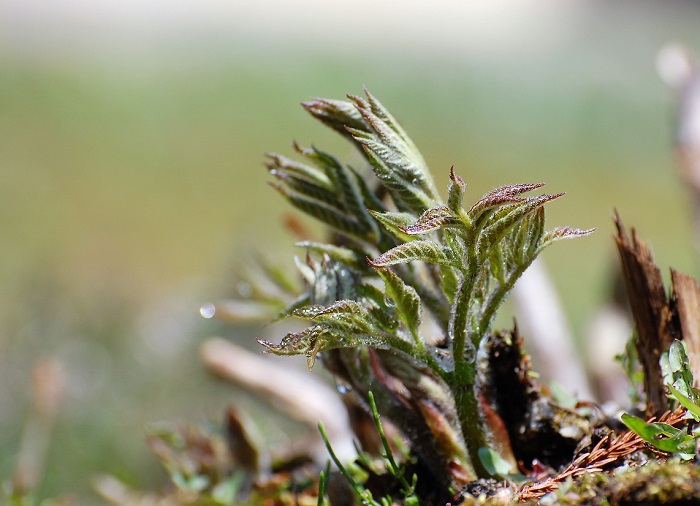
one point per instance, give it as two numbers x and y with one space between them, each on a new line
656 482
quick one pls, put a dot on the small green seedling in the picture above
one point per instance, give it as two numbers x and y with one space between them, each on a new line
679 381
401 298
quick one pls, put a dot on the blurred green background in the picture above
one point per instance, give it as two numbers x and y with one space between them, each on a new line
131 182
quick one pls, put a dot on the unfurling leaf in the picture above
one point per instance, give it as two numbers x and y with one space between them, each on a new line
395 223
406 193
340 254
561 233
433 219
343 313
524 239
337 114
324 212
279 166
424 251
318 338
500 196
405 298
394 157
344 182
343 324
507 217
455 192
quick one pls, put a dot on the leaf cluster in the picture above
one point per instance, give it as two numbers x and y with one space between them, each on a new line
679 381
470 257
402 295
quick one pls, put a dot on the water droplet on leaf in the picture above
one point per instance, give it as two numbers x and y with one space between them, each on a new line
244 289
343 387
207 310
469 352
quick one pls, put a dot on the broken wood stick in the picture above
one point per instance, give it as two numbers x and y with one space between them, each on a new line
653 317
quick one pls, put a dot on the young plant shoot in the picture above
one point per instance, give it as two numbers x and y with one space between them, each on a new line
401 298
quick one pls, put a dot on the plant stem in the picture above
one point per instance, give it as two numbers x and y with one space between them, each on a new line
459 321
462 380
471 424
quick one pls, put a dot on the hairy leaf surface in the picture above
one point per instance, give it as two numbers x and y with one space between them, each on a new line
405 297
422 250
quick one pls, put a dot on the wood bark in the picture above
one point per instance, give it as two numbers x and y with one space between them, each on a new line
653 317
686 296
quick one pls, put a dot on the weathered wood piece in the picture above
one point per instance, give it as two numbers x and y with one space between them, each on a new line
686 295
653 317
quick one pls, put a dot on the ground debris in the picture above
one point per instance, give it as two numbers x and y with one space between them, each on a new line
609 450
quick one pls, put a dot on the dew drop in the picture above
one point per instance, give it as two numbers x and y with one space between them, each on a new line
244 289
389 302
469 352
343 387
207 310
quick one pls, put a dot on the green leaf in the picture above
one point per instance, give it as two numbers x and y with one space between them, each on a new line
500 196
402 151
344 184
494 463
394 157
383 114
562 233
330 281
323 484
347 315
534 225
404 190
425 251
433 219
225 492
686 402
677 357
347 256
455 192
318 338
405 297
661 436
324 212
309 189
343 324
395 223
371 201
337 114
281 165
510 216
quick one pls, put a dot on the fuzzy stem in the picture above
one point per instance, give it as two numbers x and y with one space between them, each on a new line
471 424
462 381
459 331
